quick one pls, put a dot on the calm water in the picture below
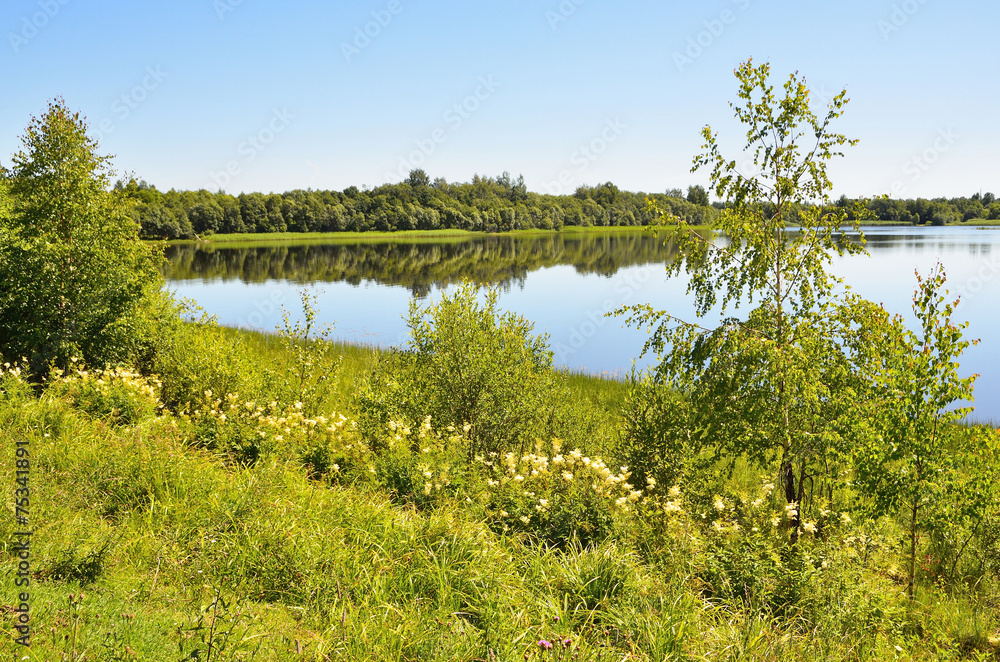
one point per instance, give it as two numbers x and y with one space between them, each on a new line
564 284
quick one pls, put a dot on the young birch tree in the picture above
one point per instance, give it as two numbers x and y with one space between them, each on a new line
75 275
918 462
776 387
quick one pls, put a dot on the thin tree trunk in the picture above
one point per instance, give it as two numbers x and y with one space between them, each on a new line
913 547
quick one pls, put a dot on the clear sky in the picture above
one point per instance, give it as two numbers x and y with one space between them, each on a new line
326 95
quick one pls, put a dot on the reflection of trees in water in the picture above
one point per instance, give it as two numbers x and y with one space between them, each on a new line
421 265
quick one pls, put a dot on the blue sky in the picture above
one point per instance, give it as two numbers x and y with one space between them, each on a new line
266 96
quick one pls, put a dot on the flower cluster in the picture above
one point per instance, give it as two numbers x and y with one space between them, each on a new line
557 496
434 452
246 429
121 396
421 464
9 369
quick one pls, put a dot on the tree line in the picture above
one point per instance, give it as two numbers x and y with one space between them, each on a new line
937 211
486 204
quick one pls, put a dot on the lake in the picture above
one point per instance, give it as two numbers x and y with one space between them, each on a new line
564 283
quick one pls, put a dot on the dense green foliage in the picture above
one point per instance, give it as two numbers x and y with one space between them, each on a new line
816 388
467 366
938 211
76 280
917 462
775 386
486 204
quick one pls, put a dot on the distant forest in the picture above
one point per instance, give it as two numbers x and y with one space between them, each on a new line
486 204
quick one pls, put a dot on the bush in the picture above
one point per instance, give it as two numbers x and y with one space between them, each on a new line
425 467
245 430
467 363
658 439
191 357
310 379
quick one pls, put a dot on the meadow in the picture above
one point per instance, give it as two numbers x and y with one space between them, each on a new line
229 509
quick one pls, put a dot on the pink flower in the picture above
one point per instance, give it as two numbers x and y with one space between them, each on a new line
545 645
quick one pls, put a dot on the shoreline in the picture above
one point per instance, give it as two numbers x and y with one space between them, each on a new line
407 235
462 235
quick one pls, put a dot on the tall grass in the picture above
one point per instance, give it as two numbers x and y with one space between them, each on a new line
147 545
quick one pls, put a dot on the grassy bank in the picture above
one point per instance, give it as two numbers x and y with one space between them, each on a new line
151 543
407 236
411 236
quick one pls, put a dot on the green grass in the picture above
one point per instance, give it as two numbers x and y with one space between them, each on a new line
243 240
147 546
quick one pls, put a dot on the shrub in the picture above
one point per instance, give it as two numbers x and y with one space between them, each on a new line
659 440
194 356
425 467
311 378
467 363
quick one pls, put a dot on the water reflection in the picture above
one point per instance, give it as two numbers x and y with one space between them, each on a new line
419 266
